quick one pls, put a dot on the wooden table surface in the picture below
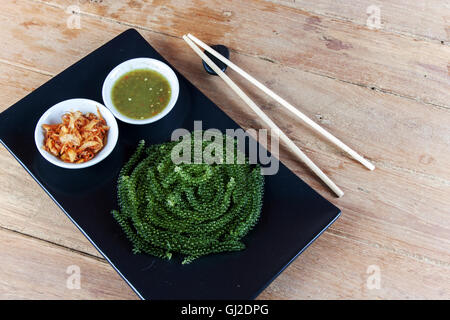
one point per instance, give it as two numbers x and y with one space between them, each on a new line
383 89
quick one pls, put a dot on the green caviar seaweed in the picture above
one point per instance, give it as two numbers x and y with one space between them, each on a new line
189 209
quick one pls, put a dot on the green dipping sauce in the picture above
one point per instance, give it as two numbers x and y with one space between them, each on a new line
141 94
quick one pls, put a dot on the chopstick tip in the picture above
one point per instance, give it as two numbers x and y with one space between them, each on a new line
370 166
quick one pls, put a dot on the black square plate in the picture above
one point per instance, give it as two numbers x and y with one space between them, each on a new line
293 214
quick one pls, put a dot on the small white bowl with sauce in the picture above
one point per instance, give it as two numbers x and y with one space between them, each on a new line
140 64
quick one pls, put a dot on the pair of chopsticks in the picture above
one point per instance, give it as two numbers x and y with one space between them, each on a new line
190 39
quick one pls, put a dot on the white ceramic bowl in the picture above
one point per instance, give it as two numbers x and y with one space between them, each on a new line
53 116
135 64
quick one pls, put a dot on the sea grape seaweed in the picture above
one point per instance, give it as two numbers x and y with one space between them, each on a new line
188 209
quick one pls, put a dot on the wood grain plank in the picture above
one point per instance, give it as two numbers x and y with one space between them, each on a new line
314 274
14 84
429 19
292 37
33 269
25 275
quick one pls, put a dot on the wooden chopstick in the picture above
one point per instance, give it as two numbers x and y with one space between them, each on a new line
285 104
266 119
